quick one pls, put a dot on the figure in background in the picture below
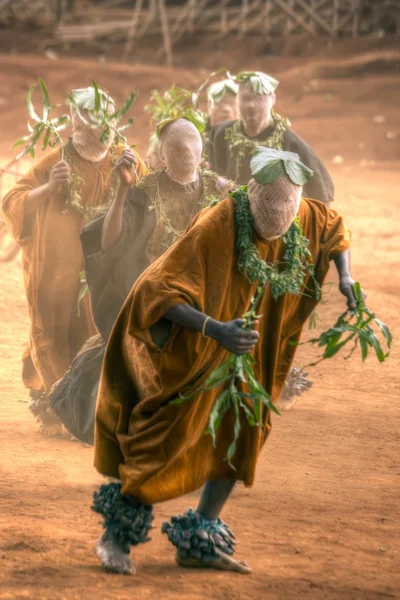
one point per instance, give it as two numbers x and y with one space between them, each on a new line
222 101
233 143
221 106
46 211
141 224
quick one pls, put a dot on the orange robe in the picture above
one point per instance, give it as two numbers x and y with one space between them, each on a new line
159 450
52 260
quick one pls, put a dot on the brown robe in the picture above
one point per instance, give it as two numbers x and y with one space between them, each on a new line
159 450
52 260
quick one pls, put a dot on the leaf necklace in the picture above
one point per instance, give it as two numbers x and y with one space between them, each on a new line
171 234
242 146
74 198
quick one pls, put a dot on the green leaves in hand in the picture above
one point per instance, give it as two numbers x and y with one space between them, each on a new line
355 326
49 128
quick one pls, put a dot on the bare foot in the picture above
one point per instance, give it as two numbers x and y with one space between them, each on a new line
50 423
285 404
55 430
223 563
113 558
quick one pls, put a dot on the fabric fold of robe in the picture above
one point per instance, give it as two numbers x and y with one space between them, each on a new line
52 260
157 449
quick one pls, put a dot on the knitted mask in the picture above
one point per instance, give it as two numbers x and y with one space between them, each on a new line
225 110
254 109
222 101
274 206
181 147
86 136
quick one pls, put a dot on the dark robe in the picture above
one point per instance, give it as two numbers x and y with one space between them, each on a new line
223 161
110 275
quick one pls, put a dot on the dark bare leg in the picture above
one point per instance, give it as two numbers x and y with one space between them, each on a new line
214 496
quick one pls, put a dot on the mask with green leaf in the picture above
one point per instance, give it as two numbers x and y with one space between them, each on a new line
275 190
222 101
93 128
96 109
218 90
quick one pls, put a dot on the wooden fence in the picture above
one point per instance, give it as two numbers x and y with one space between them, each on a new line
85 21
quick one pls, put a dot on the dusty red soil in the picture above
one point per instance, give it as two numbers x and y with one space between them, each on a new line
322 520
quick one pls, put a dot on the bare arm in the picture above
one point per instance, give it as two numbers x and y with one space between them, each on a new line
112 226
346 281
230 335
342 262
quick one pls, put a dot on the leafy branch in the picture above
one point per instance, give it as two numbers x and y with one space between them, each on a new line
234 369
173 104
43 127
354 327
103 118
169 104
49 129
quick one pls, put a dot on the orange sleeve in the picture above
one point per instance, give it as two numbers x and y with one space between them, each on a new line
14 202
335 235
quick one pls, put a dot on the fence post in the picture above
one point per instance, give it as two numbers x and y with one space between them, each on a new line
165 32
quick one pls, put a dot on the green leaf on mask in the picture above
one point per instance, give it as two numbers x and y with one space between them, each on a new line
297 172
266 171
268 164
261 83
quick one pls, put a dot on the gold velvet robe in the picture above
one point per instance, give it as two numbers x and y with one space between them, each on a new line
159 450
52 260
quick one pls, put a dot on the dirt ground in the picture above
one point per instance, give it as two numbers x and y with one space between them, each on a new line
322 520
